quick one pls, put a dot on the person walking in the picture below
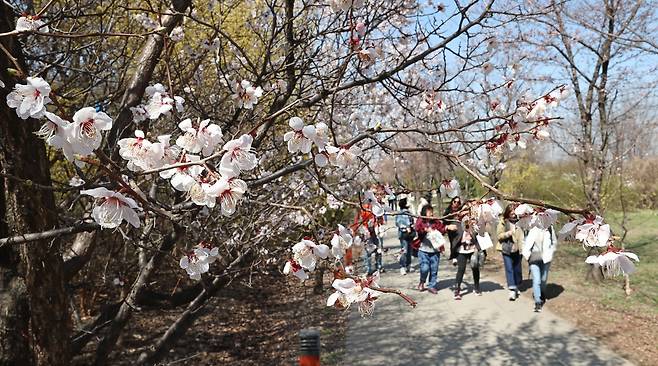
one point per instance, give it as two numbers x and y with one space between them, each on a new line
510 241
468 250
454 236
406 233
538 249
366 223
429 251
392 202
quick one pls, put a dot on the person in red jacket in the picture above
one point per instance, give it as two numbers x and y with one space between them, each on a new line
429 253
366 223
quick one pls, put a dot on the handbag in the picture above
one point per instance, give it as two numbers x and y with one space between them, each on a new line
506 247
535 256
415 244
409 234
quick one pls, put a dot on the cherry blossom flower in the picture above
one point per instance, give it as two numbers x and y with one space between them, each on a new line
204 139
238 156
55 132
541 134
211 252
432 104
165 154
449 188
160 102
182 178
139 113
614 261
487 212
85 136
2 84
568 231
360 29
535 217
76 181
294 268
211 44
30 99
301 138
340 242
228 191
321 138
545 218
553 98
113 209
31 23
369 55
211 134
349 291
376 207
333 202
321 159
246 96
307 253
343 157
199 196
195 263
138 151
593 232
516 141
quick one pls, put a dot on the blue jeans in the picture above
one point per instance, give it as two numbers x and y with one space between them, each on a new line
429 265
405 258
513 270
539 272
378 255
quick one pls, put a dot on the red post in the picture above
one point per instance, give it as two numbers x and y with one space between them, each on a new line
309 347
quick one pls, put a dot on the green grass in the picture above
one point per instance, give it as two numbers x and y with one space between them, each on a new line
642 239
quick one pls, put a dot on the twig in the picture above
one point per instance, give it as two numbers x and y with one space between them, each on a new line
24 238
397 292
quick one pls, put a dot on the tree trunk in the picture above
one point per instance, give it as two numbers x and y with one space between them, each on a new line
38 280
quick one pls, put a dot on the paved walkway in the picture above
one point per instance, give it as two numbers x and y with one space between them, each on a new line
486 330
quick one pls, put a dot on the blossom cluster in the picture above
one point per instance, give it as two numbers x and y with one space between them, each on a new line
360 291
159 103
302 138
188 173
198 260
540 217
449 188
533 114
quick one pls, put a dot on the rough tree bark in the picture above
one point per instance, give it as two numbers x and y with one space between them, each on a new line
34 288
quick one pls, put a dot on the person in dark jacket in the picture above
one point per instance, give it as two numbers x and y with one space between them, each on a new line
468 250
455 235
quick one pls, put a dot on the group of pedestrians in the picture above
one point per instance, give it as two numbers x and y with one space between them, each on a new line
422 235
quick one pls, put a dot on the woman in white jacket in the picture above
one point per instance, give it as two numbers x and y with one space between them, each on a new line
538 249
